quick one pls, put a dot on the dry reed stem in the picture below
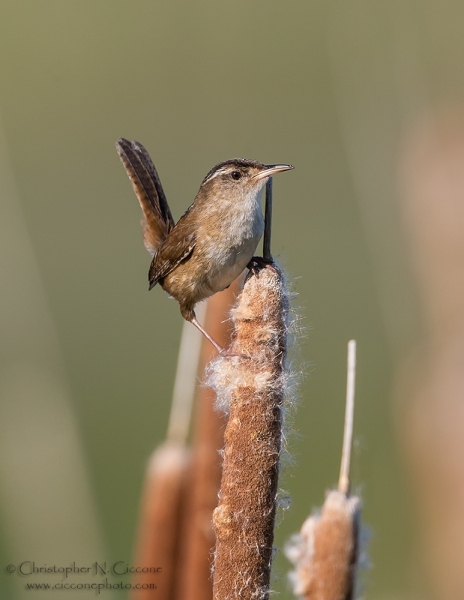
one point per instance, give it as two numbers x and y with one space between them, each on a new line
185 383
344 478
205 472
254 389
160 522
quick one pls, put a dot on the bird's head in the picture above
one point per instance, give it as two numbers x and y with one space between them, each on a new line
239 177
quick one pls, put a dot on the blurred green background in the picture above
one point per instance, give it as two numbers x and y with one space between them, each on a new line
88 356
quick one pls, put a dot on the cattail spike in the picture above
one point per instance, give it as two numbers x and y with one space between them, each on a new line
252 387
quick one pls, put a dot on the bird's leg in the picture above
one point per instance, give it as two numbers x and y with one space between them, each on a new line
222 351
219 348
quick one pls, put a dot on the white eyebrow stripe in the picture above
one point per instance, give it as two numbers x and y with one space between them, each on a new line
218 172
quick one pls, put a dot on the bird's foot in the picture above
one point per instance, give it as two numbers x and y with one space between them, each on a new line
227 353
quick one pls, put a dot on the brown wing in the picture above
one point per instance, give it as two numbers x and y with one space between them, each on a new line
177 249
158 220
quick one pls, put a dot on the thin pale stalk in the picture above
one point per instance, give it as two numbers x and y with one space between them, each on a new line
344 479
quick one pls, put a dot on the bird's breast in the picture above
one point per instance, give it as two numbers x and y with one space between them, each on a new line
230 242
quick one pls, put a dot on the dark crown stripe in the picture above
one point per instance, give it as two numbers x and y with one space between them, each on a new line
232 162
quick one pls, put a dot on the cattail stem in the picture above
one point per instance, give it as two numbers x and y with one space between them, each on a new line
267 221
253 387
344 479
185 383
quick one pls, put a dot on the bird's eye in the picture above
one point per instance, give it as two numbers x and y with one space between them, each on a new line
236 175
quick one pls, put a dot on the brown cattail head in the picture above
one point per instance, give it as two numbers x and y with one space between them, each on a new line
325 553
252 389
260 320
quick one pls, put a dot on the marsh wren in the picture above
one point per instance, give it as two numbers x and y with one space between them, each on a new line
216 237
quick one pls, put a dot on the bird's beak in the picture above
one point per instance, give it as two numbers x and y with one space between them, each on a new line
272 170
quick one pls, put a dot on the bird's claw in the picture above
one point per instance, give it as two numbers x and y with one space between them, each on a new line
258 262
